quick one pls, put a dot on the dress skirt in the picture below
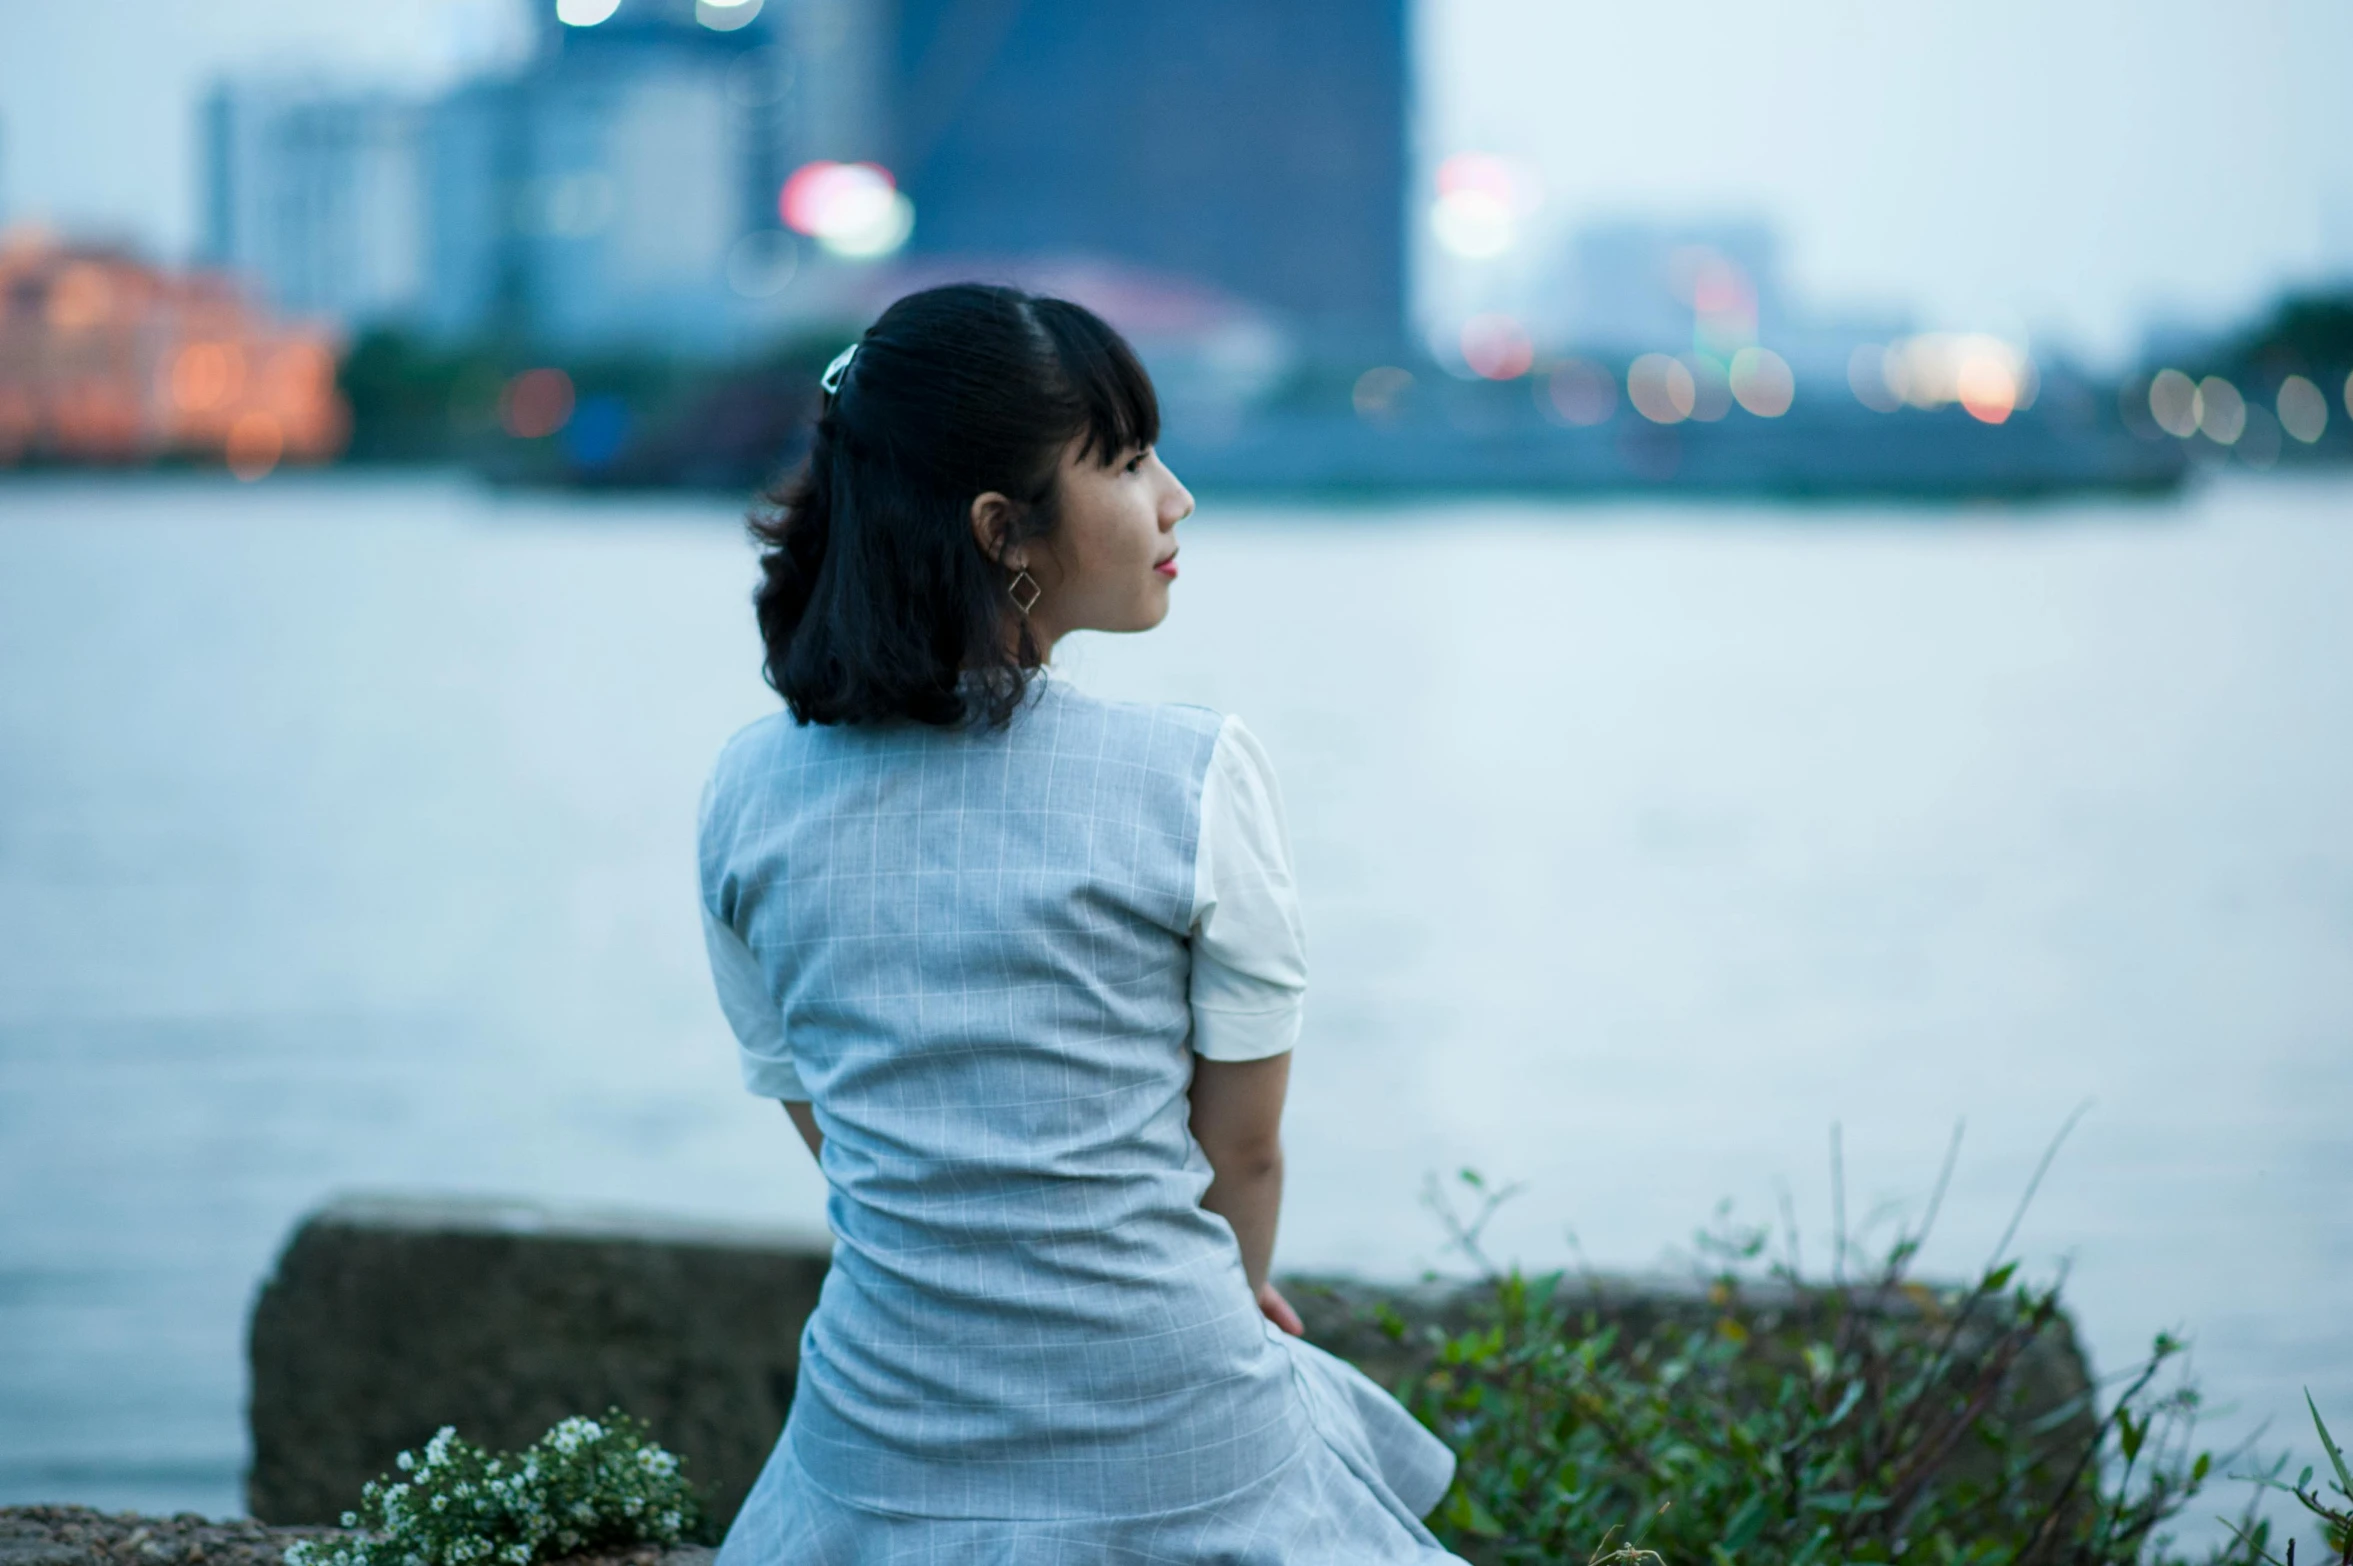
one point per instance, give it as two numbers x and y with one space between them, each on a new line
1354 1497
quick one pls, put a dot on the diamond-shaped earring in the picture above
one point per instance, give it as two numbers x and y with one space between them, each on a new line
1024 591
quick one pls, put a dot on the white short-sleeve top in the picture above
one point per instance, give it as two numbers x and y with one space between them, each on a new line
1249 982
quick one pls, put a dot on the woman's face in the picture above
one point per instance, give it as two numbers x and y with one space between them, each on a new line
1112 556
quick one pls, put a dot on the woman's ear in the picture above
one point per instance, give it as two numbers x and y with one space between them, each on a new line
992 526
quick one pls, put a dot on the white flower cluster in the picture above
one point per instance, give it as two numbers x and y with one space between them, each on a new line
585 1484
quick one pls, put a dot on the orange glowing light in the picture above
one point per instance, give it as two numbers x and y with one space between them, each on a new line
1985 386
205 375
105 358
535 404
256 442
1497 348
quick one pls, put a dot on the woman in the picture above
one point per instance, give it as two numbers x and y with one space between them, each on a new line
1024 968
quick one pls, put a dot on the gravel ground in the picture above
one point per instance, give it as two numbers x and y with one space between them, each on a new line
78 1536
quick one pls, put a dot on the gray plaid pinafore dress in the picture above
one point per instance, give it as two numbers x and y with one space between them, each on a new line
1033 1346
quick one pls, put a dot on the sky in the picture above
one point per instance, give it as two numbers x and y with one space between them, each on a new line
2074 169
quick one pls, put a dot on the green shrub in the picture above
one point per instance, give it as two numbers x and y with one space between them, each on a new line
1789 1422
2336 1521
587 1484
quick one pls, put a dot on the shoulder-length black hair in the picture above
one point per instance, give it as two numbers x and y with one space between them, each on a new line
875 600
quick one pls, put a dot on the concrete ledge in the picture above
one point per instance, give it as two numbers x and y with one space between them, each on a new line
388 1317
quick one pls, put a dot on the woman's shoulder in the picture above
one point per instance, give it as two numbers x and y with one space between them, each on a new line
1178 732
759 742
750 762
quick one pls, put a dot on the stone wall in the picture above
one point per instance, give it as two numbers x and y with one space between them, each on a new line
388 1318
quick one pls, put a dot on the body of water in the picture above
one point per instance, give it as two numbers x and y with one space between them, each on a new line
345 843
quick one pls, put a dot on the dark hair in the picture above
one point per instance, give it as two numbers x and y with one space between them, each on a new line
875 600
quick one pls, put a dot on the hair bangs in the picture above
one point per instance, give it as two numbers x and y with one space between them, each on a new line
1107 380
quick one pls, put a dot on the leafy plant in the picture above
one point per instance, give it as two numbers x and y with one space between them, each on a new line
1773 1419
586 1484
2336 1521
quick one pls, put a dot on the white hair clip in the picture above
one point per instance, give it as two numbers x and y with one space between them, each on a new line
831 380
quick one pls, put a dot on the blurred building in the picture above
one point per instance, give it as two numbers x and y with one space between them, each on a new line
106 359
1630 288
620 189
1256 145
1706 287
314 197
630 183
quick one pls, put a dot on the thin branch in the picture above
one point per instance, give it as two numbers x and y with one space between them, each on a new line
1837 1207
2026 1198
1944 1179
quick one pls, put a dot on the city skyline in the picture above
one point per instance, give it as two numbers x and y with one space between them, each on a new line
1936 164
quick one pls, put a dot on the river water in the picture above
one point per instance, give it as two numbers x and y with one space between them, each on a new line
345 838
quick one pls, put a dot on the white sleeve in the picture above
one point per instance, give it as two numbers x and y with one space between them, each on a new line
759 1027
1249 983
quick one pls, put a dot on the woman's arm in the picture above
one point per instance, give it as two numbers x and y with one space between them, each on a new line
804 1119
1238 1121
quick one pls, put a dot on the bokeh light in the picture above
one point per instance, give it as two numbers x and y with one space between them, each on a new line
1579 393
207 375
256 442
585 13
852 209
1985 384
725 16
1476 215
1867 377
1497 347
2303 410
1379 393
1762 382
1989 377
2174 404
2222 412
2349 394
535 403
1661 388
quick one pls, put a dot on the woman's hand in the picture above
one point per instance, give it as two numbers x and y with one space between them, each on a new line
1278 1310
